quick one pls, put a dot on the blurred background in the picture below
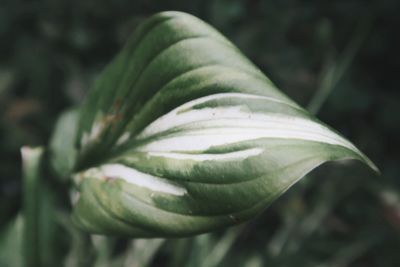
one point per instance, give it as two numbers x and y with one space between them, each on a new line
340 59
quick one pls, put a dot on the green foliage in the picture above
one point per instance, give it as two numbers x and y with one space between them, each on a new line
62 144
181 135
336 217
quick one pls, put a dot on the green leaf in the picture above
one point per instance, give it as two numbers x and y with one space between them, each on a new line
11 242
32 166
62 144
182 134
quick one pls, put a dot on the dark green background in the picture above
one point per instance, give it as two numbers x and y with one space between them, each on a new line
341 215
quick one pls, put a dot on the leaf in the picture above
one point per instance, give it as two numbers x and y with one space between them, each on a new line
32 167
182 134
62 149
11 240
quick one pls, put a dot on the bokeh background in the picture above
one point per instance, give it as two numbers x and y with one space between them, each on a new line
340 59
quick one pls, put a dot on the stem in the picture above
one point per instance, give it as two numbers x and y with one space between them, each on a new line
221 248
31 168
335 71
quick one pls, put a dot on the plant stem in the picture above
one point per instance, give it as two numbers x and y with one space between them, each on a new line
335 71
31 167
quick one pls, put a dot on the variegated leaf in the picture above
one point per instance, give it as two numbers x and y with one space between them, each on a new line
182 134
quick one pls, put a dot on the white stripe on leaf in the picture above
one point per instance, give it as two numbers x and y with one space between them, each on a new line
133 176
180 115
237 155
202 129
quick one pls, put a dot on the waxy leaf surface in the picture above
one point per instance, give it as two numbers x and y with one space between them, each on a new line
182 134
